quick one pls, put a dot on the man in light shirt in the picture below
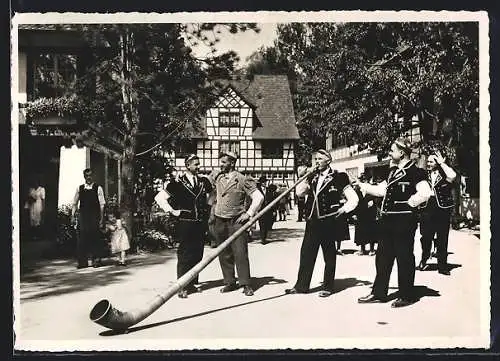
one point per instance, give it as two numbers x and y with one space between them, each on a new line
229 214
405 189
90 199
326 221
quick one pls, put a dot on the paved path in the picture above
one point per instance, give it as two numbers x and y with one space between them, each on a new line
56 300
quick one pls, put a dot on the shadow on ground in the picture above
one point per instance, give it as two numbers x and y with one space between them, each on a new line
285 234
420 292
341 284
56 277
257 283
434 267
200 314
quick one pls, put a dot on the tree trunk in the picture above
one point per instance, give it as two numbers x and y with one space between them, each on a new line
131 121
127 180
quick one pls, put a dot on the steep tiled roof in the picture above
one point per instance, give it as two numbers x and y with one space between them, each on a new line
272 100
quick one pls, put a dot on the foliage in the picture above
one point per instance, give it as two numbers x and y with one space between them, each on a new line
68 106
151 240
150 87
352 79
66 232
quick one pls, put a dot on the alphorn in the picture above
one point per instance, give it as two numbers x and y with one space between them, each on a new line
104 314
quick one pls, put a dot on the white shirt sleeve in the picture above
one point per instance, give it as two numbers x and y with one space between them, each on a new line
377 190
162 199
422 195
100 196
257 199
351 199
302 188
76 198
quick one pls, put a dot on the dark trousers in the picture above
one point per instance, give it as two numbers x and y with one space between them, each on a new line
435 221
319 232
191 237
234 254
90 240
265 225
398 235
301 207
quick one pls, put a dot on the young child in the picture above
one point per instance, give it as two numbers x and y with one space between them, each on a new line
118 235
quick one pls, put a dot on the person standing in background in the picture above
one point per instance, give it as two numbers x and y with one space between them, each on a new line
35 204
266 221
437 213
89 201
365 229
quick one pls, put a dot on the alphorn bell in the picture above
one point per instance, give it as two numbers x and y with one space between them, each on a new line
104 314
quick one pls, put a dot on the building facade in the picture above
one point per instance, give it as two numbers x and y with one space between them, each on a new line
53 148
256 120
353 161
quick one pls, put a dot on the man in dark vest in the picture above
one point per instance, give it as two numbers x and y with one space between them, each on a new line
231 213
437 213
326 221
404 190
186 198
90 197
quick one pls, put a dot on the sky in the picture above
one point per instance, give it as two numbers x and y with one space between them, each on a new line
243 43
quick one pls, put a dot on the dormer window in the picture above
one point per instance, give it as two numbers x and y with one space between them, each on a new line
229 119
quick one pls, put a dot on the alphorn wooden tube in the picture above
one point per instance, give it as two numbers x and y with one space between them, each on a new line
104 314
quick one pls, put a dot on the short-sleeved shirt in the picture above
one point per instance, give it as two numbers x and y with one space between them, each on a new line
232 189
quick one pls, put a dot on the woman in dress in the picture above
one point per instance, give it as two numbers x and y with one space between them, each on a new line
35 204
366 228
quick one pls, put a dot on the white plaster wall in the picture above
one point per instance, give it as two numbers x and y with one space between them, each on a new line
72 163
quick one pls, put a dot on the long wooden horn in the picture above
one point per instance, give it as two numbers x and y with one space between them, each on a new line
104 314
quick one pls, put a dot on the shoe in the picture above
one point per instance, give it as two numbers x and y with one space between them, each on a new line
371 298
248 291
372 253
80 266
97 264
293 291
444 272
400 302
263 242
183 294
340 253
423 266
325 293
121 263
360 253
229 288
213 245
192 289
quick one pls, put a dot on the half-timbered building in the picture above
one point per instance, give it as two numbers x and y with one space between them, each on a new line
254 118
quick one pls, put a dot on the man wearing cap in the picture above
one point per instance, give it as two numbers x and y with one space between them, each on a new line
232 188
405 189
326 221
436 215
186 198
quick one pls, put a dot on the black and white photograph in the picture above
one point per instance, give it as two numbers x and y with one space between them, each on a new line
250 180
